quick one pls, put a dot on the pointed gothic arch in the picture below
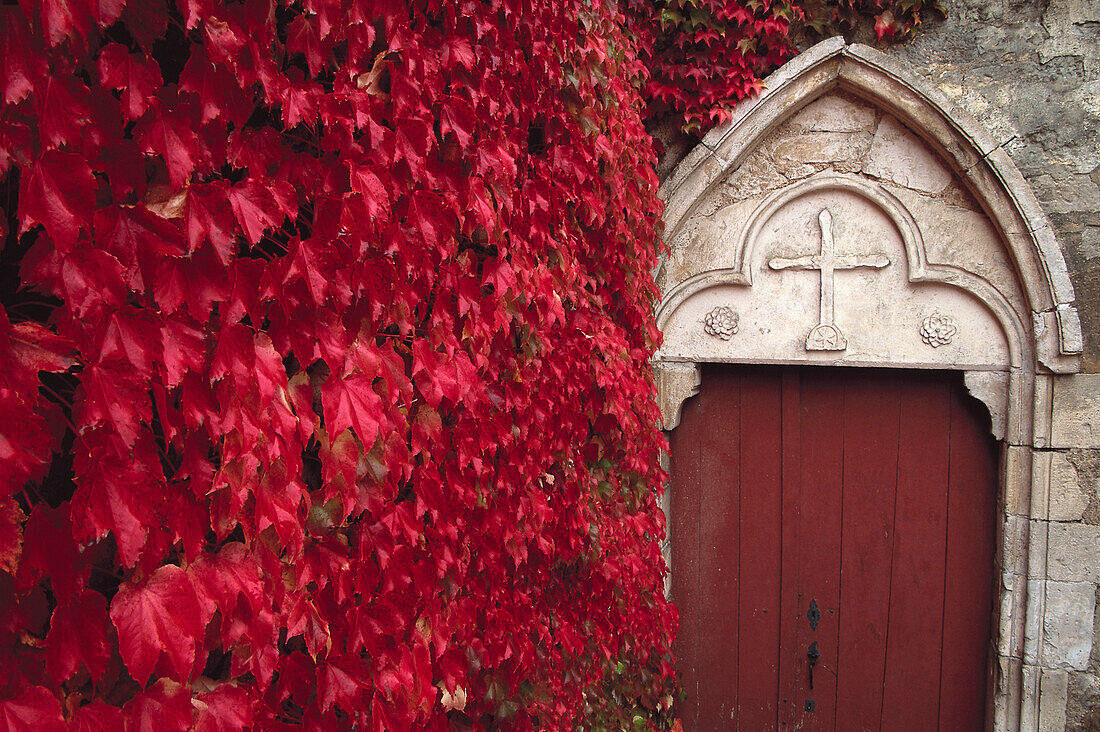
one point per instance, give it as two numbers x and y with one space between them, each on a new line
1021 291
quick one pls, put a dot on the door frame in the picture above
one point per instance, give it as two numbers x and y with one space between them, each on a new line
1043 342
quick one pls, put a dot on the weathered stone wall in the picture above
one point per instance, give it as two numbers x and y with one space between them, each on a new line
1069 649
1030 71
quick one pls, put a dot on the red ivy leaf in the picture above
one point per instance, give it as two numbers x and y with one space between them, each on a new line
58 193
137 237
165 705
169 131
457 52
304 37
230 581
227 708
159 616
335 685
78 637
96 717
198 281
429 216
374 195
278 503
92 280
35 710
35 348
113 396
131 338
207 216
183 348
254 207
20 61
117 486
137 76
49 549
458 116
64 107
885 25
147 20
217 90
351 401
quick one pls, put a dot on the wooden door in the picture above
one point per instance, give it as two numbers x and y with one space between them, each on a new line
841 513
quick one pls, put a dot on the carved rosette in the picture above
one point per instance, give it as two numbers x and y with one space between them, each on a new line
722 322
826 337
937 329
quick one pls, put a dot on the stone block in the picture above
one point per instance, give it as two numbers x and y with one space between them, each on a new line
991 389
901 157
1033 631
1067 625
1055 264
1013 551
1067 193
1083 707
1030 677
676 382
1040 484
1075 417
1037 550
1073 553
1016 466
834 113
820 147
1011 615
1068 497
1042 429
1058 492
1053 686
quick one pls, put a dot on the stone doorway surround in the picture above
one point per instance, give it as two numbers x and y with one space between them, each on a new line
852 215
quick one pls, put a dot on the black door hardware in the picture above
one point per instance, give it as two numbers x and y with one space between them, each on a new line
813 654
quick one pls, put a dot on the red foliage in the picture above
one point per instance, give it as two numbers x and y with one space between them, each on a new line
325 402
707 55
325 328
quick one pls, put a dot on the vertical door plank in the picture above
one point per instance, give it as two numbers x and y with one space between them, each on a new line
822 432
685 475
761 549
912 688
791 617
870 480
968 588
708 523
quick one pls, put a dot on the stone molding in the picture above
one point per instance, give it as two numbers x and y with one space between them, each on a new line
1025 390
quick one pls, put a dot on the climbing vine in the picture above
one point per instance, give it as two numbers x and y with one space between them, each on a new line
704 56
325 329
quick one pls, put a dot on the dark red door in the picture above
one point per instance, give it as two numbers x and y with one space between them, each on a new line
839 520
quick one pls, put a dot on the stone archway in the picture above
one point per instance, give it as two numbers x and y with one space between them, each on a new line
853 216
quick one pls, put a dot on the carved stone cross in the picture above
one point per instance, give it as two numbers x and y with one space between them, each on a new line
826 336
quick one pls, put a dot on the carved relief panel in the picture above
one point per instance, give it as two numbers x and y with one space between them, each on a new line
841 238
833 270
